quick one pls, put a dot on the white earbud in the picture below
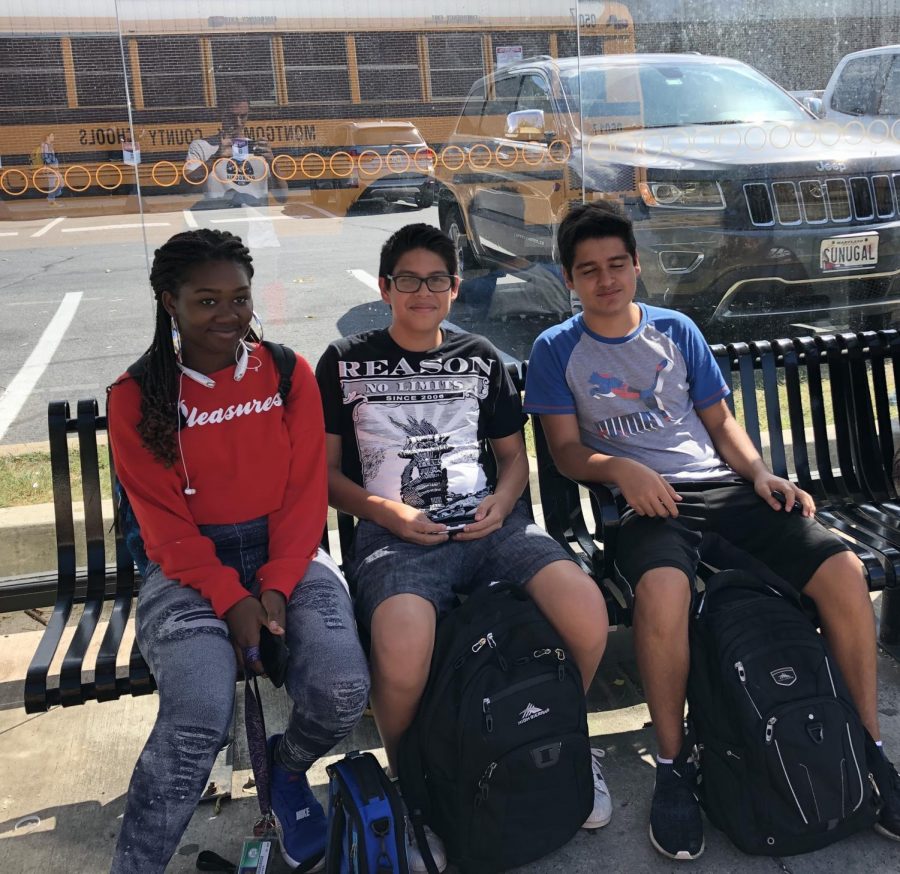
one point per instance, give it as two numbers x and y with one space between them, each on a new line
242 362
190 491
202 378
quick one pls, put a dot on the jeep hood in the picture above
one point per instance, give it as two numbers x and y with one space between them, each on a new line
720 147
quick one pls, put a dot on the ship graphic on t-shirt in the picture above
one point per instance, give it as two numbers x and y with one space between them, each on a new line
655 417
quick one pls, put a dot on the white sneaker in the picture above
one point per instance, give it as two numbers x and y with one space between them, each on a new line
414 855
602 812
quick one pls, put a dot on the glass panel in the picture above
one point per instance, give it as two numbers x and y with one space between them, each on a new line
314 130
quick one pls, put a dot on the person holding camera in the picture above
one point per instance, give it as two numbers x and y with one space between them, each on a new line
234 169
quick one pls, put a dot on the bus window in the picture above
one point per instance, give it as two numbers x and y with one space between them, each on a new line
388 66
315 66
98 71
457 60
247 61
171 71
31 72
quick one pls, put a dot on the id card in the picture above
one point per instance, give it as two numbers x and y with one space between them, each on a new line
255 855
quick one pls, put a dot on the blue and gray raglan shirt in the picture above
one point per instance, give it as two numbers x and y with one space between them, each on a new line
635 396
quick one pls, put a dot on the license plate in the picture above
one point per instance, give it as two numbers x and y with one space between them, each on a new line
848 253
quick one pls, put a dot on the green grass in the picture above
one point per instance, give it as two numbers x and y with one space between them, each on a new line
25 479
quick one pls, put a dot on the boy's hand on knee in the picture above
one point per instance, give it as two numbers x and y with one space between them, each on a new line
767 484
275 605
244 620
646 492
411 524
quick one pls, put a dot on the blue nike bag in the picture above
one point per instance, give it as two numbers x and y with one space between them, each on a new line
365 819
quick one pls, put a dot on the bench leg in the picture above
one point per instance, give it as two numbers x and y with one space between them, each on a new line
889 636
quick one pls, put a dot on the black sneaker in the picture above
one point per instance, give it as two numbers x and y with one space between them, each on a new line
676 829
888 782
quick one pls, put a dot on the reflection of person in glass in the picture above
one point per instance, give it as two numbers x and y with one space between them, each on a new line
52 175
235 170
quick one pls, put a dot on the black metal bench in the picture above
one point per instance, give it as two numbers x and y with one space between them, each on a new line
836 396
850 379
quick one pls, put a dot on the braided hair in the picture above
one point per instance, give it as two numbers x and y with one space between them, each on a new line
159 374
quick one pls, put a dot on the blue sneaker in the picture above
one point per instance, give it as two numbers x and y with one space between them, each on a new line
302 825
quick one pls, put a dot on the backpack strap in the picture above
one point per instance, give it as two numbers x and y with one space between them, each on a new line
285 361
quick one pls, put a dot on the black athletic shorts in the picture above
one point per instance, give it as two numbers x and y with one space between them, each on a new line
787 543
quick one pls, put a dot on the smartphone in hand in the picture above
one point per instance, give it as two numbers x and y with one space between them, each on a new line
274 655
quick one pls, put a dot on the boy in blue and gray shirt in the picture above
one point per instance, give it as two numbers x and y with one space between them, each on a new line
630 395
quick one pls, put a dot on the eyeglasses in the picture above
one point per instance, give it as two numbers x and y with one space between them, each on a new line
406 283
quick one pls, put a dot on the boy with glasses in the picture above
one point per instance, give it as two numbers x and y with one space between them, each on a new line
405 411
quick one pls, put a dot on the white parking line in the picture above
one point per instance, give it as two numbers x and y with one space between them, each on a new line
189 219
9 233
13 398
365 278
51 224
370 281
252 218
116 227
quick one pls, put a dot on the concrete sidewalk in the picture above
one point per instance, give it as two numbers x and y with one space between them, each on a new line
65 774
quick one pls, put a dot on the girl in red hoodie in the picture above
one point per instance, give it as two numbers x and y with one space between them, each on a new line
228 484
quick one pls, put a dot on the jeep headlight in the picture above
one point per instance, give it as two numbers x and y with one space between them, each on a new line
683 195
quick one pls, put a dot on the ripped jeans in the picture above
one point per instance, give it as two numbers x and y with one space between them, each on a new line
189 652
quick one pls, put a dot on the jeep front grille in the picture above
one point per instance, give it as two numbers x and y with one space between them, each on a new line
814 201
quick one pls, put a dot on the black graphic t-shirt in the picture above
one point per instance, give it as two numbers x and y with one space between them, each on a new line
412 422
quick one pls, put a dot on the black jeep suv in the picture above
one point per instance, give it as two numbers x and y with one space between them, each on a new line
745 206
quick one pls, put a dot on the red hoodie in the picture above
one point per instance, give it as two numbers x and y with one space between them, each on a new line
247 455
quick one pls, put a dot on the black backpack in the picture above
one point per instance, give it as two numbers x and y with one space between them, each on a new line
497 760
285 361
782 751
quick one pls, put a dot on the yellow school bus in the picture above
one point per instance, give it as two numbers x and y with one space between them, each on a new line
308 68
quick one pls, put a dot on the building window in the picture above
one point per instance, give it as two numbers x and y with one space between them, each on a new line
99 77
388 66
244 63
171 71
315 66
31 73
457 61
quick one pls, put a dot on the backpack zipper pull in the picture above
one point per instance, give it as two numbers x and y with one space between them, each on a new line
479 645
493 645
742 674
488 716
560 669
770 729
483 787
